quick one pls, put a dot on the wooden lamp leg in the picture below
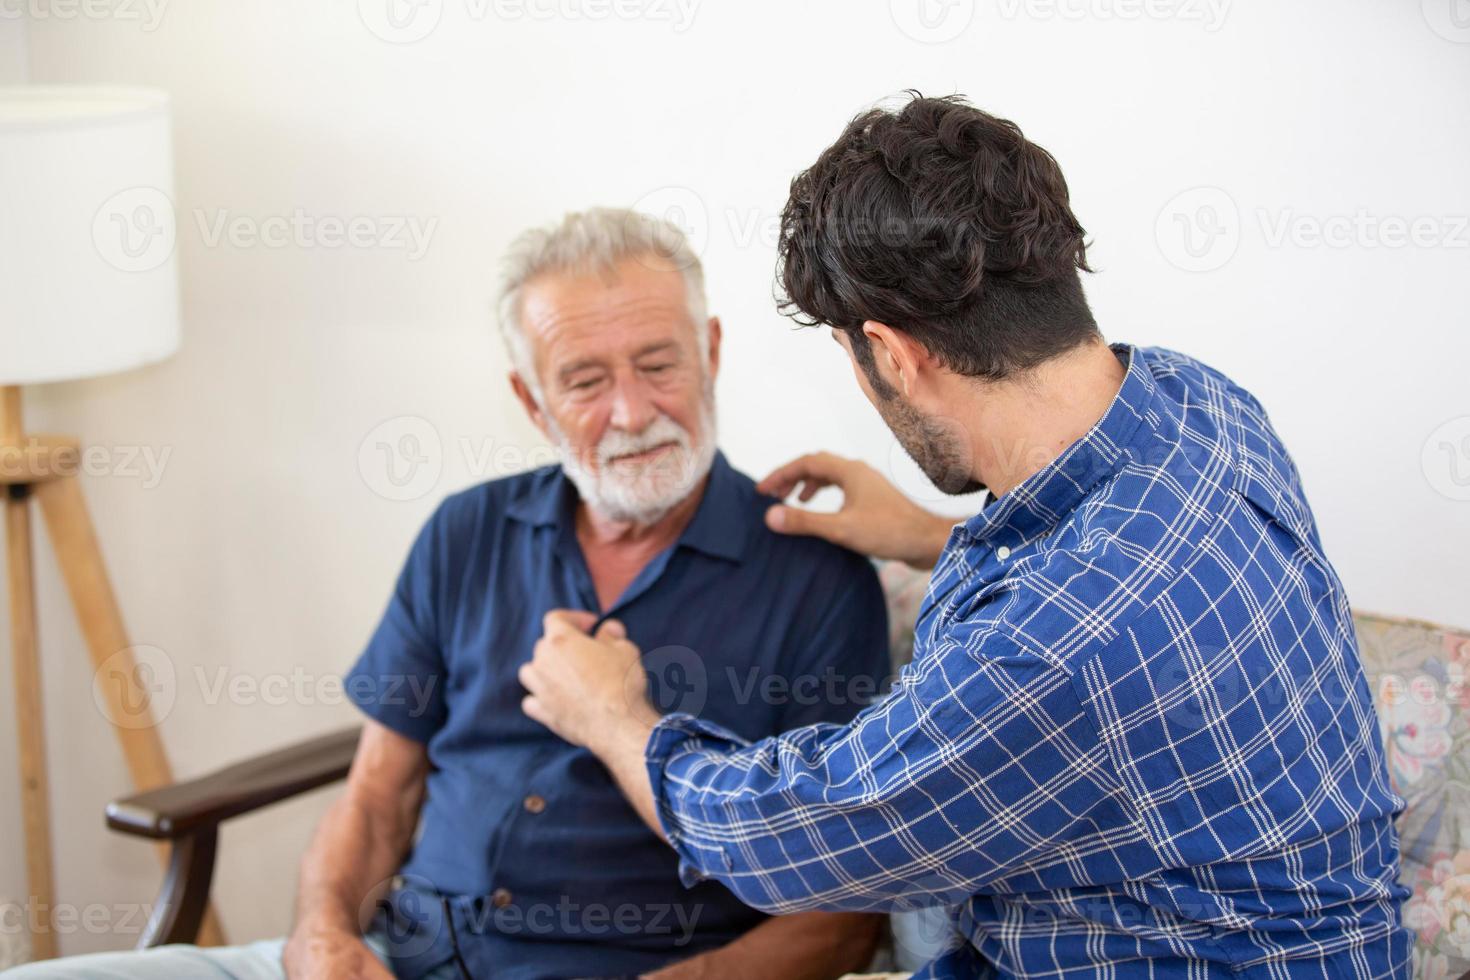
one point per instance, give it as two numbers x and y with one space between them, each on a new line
34 795
75 542
35 799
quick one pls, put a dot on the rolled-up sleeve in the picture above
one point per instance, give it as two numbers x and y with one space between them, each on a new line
683 733
978 770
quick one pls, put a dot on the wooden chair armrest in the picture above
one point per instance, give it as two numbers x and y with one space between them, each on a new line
188 808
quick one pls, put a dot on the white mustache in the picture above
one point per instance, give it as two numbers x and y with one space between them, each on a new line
663 431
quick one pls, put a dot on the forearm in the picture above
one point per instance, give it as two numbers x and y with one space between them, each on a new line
363 837
791 802
802 946
348 866
914 798
621 748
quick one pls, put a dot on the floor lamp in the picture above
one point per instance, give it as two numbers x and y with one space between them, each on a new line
88 286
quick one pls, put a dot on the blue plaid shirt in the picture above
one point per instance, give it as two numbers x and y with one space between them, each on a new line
1135 738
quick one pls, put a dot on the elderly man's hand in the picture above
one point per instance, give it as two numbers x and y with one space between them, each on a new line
585 687
311 953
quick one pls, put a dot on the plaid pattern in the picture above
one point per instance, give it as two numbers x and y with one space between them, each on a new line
1135 738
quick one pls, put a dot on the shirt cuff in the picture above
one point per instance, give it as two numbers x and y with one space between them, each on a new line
674 734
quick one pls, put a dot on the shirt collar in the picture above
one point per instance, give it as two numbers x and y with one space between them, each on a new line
718 527
1033 508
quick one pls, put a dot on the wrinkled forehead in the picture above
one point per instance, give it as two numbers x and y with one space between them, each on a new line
606 313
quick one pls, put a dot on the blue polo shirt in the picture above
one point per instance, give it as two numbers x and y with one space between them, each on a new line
529 858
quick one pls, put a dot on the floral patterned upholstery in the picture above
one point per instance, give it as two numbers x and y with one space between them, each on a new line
904 589
1420 678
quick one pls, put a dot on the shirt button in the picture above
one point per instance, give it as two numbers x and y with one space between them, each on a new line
534 803
500 898
1002 552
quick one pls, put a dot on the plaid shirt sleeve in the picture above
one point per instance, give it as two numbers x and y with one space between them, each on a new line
981 767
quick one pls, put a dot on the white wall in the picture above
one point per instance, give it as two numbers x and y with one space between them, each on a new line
264 548
12 51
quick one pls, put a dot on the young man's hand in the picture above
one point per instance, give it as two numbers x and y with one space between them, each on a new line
593 692
875 518
583 687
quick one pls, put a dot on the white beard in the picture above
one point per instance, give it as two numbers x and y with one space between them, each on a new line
641 493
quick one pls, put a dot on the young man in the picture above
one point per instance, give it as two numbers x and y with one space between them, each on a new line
1135 739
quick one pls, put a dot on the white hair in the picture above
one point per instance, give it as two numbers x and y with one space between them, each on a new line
586 242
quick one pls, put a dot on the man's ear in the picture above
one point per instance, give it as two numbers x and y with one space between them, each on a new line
715 334
528 402
899 358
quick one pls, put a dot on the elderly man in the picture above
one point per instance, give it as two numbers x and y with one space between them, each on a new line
1135 739
529 862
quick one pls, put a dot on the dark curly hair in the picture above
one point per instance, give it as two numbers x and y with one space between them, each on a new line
946 223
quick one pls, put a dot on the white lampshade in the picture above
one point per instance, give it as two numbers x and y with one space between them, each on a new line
88 279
